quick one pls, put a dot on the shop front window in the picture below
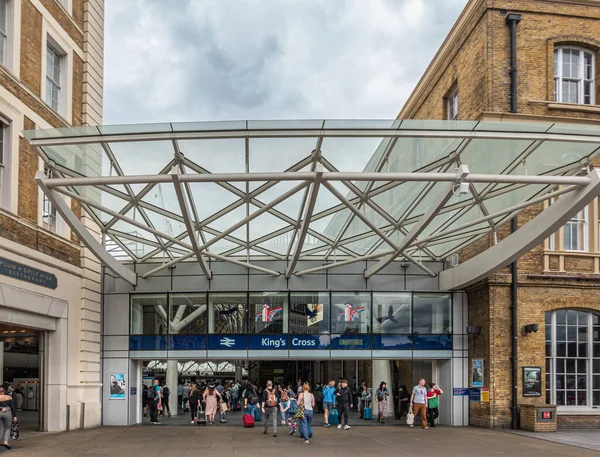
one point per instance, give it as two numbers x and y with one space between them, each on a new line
392 313
432 314
227 313
269 312
309 313
350 312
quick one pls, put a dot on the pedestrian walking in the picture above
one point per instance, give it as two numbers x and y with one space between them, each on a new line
433 400
211 399
418 402
403 401
308 400
284 403
166 393
382 395
328 400
194 402
7 416
270 402
364 397
186 393
154 401
250 399
180 395
344 401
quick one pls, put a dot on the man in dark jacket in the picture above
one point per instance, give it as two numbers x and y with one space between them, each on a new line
344 402
270 403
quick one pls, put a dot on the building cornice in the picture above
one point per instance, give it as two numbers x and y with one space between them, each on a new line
449 45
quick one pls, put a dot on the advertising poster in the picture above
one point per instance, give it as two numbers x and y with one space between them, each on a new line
477 373
532 381
314 314
117 386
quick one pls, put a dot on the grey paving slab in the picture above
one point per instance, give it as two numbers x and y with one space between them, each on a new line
586 439
389 440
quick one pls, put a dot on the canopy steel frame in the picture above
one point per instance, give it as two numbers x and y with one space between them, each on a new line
299 238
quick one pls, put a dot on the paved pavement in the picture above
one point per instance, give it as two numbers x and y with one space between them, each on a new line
587 439
194 441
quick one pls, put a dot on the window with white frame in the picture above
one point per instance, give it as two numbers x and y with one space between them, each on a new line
572 358
53 76
4 165
452 104
574 76
3 30
576 232
48 209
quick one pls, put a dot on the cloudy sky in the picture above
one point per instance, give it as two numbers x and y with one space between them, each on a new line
193 60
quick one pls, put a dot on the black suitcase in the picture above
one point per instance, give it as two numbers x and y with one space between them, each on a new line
200 417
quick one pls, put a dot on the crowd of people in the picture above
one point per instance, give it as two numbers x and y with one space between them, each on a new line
278 405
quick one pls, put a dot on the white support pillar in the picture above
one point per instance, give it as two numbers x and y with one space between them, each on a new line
172 378
382 371
238 371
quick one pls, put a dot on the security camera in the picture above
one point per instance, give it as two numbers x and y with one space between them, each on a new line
461 189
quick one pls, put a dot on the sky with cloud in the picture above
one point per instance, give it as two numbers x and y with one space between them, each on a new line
194 60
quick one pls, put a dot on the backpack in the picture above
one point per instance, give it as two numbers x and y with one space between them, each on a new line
293 406
271 398
151 394
253 398
166 391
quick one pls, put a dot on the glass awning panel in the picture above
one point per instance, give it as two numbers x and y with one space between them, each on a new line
336 190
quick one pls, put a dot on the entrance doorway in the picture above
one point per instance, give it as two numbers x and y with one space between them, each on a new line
20 363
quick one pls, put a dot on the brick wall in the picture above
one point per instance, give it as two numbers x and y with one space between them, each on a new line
31 47
66 22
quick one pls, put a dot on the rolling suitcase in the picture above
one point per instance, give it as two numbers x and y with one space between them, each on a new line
368 412
223 418
333 417
200 417
248 420
257 415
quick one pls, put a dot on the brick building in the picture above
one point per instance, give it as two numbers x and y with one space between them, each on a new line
51 73
557 55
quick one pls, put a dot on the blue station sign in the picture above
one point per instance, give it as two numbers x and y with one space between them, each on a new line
309 341
227 342
28 274
267 342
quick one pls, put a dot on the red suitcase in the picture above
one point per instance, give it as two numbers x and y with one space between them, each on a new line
248 420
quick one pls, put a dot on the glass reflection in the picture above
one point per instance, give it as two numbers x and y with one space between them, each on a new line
391 313
227 313
431 313
350 312
149 315
187 314
309 313
268 312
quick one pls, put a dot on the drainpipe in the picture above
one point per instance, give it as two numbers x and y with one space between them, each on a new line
512 20
514 352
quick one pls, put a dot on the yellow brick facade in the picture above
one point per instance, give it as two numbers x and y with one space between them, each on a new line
475 58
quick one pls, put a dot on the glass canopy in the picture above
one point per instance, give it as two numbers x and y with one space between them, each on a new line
337 191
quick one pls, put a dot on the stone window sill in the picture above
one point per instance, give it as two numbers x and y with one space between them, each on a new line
569 106
577 412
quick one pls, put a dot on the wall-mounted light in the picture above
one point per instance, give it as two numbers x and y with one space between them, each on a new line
474 330
530 328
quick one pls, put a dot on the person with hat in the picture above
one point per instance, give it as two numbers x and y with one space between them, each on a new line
211 399
381 395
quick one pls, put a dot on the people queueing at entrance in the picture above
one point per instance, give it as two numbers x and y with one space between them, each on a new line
269 406
211 399
251 399
418 402
154 401
364 397
166 407
328 401
193 402
433 410
344 402
382 395
403 401
7 416
306 401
